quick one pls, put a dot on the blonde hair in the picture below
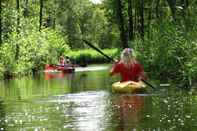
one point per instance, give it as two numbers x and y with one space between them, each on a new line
127 57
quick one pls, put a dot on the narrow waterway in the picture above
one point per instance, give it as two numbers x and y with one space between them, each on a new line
83 101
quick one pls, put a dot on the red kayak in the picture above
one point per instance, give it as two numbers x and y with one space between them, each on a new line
52 75
59 68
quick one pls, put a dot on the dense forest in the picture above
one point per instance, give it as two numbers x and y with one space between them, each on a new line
163 34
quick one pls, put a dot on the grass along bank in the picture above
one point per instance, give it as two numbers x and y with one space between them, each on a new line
90 56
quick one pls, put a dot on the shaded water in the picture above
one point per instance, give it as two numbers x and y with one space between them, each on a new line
83 101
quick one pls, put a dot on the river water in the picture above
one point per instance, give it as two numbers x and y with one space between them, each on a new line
83 101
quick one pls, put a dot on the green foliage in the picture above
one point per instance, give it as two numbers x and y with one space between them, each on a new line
167 57
35 50
7 56
91 56
189 67
168 50
8 20
84 20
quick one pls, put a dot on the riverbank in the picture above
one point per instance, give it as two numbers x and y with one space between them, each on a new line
32 66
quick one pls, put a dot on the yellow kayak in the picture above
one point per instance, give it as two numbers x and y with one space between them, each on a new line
128 87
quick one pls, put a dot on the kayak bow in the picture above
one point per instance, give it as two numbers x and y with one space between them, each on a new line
128 87
56 68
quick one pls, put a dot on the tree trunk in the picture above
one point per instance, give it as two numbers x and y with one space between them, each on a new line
157 9
1 25
149 17
54 20
130 26
172 5
141 10
17 28
26 11
41 7
186 3
135 18
184 9
18 17
120 18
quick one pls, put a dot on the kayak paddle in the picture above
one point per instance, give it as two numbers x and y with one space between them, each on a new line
111 59
92 46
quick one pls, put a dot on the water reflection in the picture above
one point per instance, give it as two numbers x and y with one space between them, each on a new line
52 75
83 111
2 115
83 81
91 68
128 111
71 79
83 101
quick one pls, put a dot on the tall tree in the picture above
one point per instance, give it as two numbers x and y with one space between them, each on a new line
25 13
18 15
136 17
54 17
141 11
172 5
41 8
120 17
17 27
150 5
130 15
0 24
157 9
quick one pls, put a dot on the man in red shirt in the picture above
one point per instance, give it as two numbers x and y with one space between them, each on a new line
128 67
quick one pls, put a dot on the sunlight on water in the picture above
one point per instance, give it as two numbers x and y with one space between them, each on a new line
83 101
88 109
91 68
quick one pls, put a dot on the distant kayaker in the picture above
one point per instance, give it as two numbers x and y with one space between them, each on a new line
128 67
65 61
62 61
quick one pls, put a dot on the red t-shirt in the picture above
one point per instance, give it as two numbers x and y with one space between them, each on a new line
128 73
